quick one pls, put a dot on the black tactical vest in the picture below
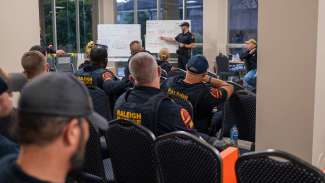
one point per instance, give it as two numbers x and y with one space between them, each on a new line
145 114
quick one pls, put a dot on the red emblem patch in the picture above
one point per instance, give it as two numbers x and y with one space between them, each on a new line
107 76
187 119
215 93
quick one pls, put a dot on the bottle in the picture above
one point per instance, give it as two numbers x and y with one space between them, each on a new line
234 135
237 57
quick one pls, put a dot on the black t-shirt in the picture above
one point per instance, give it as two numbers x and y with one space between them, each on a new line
10 172
185 38
250 60
171 117
203 97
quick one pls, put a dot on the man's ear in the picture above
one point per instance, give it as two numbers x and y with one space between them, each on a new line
47 67
131 78
71 133
159 71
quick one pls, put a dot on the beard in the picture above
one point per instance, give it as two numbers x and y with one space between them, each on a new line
77 159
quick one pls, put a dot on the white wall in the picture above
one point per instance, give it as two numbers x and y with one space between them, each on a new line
19 30
286 75
319 115
215 28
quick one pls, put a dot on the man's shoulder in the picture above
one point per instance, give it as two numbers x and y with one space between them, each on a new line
169 105
6 165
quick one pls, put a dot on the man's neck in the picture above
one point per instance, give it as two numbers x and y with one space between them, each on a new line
152 85
189 79
43 164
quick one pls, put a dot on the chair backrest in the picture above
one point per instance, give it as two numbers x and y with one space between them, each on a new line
237 87
93 163
64 64
240 110
130 148
182 157
275 167
176 72
101 102
51 61
222 63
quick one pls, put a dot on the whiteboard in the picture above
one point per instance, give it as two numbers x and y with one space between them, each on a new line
158 28
117 37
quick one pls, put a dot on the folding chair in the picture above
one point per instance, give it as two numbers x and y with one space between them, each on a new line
240 111
276 167
130 148
182 157
64 64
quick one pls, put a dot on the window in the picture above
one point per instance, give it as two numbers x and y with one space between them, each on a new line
242 20
86 11
66 25
194 12
125 11
147 10
66 20
171 10
46 22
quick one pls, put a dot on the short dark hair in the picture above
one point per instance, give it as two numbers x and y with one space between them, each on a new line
98 55
37 129
135 42
38 48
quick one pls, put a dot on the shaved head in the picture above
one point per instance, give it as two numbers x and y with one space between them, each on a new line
144 69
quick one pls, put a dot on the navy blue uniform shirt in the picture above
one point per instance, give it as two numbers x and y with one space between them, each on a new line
203 97
171 117
185 38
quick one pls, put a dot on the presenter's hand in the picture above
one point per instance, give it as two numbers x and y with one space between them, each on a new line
163 38
181 45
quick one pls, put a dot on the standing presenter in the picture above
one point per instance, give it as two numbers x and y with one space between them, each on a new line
186 42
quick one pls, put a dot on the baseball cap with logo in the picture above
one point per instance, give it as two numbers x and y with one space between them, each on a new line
59 94
198 64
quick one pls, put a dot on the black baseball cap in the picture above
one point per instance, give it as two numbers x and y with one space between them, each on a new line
3 86
59 94
198 64
185 24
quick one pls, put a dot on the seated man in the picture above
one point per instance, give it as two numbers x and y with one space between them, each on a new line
146 105
52 135
95 73
250 59
135 47
34 64
204 92
6 122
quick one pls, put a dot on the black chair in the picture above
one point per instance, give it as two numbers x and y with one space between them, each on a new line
101 102
237 87
51 61
176 72
130 148
240 111
276 167
223 71
64 64
182 157
94 163
85 178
